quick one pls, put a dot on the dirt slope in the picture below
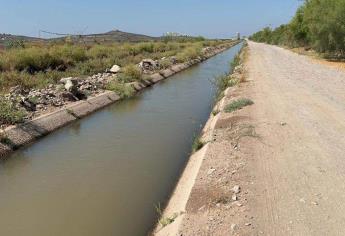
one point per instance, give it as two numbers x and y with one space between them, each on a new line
289 160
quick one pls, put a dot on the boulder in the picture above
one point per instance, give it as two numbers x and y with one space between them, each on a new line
68 96
149 65
28 105
70 83
115 69
173 60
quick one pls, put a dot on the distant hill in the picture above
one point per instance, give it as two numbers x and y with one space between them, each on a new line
119 36
6 38
108 37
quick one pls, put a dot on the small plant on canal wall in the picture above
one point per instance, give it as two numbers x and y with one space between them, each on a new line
197 144
121 89
164 221
238 104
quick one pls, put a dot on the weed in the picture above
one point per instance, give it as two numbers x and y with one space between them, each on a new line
165 64
164 221
9 113
189 53
121 89
130 73
232 82
197 144
215 112
235 62
238 104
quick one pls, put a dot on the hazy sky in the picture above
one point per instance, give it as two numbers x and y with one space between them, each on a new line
210 18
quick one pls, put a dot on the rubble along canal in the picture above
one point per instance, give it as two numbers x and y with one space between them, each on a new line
104 174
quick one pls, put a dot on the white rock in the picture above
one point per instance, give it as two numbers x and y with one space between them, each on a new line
115 69
233 227
69 85
64 80
236 189
210 171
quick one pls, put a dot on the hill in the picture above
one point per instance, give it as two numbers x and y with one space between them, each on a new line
108 37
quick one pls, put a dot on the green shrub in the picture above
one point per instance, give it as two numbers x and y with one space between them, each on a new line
130 73
121 89
9 114
99 51
145 47
159 47
232 82
238 104
189 53
197 144
165 64
221 83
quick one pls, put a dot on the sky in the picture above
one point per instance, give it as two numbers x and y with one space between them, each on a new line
209 18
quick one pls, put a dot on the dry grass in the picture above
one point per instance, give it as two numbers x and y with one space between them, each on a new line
238 104
317 58
35 66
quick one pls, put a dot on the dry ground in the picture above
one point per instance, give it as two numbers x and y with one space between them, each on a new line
286 152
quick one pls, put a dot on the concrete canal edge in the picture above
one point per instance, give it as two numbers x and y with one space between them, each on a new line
22 134
175 210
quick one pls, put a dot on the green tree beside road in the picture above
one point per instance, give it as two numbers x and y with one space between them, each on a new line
318 24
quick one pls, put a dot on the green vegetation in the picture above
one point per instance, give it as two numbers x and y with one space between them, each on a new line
37 65
197 144
189 53
224 81
164 221
9 114
238 104
121 89
318 24
5 140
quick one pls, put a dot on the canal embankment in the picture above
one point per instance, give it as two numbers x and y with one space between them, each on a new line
210 196
17 136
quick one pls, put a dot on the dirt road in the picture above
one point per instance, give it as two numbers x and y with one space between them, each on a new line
297 165
285 153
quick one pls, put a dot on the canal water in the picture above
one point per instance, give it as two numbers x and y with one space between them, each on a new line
104 174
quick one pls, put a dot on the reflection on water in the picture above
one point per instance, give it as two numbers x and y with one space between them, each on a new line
103 174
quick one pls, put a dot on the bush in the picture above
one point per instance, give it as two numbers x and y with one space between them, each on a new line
9 114
197 144
238 104
145 47
189 53
130 73
121 89
165 63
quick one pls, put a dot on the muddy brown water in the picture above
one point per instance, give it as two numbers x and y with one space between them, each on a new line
104 174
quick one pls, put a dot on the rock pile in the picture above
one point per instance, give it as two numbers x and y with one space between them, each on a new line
69 90
148 65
